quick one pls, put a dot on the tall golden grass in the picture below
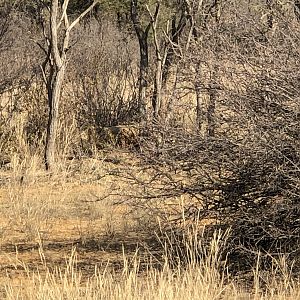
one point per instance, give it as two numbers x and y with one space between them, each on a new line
200 279
191 269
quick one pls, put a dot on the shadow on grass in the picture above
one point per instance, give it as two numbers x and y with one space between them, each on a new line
104 252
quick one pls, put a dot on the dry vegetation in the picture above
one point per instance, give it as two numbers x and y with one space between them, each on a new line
62 237
176 175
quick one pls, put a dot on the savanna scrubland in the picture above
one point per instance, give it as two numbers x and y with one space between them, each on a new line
149 149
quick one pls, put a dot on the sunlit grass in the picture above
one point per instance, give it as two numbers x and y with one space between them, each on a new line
200 279
54 209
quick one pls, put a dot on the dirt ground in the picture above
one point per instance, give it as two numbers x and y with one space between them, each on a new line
44 218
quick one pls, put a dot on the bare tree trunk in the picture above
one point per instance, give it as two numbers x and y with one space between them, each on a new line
53 119
206 102
56 57
174 37
54 87
143 76
211 123
158 111
200 110
157 94
142 36
212 99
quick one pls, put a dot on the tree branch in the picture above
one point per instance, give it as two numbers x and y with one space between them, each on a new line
64 12
53 28
74 23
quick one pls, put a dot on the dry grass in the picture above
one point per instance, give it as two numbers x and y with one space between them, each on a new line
198 280
61 237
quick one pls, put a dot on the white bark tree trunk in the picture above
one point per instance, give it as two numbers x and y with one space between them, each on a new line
56 57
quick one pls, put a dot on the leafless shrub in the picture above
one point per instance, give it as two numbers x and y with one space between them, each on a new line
103 88
17 56
21 97
99 91
245 175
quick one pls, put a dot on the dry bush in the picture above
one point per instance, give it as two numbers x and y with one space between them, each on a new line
99 90
22 108
23 123
17 56
243 164
101 80
244 174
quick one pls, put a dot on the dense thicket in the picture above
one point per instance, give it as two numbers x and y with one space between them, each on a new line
212 88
